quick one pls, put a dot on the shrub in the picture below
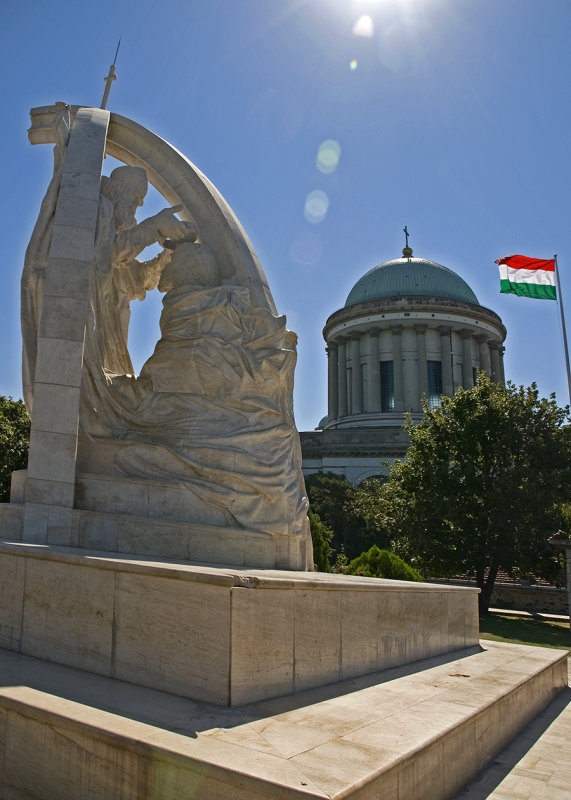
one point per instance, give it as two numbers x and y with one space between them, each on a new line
377 563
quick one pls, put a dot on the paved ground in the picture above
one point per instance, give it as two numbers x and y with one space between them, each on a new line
537 764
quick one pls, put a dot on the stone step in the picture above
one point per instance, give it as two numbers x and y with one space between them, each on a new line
416 732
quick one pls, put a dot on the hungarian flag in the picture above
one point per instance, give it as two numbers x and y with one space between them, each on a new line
527 277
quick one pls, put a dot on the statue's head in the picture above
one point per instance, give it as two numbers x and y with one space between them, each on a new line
126 187
191 263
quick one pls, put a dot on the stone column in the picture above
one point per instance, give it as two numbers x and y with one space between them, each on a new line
332 381
50 484
495 358
502 373
397 367
342 379
467 374
485 363
356 389
374 374
446 356
421 365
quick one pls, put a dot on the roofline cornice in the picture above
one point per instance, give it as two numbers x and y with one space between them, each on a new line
402 304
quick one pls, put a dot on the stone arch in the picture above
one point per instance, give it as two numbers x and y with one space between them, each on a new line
180 182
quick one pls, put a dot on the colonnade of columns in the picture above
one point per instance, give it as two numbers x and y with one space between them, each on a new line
346 399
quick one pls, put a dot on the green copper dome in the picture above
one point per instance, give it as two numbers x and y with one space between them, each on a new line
405 277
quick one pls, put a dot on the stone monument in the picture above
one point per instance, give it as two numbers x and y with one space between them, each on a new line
206 433
158 541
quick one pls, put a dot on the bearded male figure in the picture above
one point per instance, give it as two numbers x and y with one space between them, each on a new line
118 276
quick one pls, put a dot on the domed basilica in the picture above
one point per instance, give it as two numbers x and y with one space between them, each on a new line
410 328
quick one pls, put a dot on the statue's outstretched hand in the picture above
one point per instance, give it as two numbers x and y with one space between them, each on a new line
169 227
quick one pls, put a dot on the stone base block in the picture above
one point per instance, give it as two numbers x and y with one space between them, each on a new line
408 733
224 635
148 518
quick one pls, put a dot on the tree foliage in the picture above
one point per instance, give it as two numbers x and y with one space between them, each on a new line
377 563
353 513
321 537
14 441
482 485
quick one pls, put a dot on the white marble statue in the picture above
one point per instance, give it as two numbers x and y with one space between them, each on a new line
206 433
212 407
117 277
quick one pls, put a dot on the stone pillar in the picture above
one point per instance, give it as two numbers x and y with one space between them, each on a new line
397 367
495 358
342 380
374 374
50 484
502 373
421 365
485 362
332 381
467 374
356 389
446 356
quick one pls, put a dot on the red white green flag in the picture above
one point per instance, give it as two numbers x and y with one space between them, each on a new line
527 277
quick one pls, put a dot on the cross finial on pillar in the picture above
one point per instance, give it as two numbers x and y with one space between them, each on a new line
407 251
109 79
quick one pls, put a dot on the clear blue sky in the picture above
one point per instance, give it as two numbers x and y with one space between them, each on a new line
451 117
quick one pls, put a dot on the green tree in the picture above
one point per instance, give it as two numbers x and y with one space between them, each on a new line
14 441
482 485
377 563
321 537
351 512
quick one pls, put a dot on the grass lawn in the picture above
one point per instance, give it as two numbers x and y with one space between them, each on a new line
526 630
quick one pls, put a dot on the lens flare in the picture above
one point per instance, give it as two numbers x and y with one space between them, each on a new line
364 26
353 64
306 251
328 156
316 205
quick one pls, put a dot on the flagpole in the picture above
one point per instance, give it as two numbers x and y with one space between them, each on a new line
560 296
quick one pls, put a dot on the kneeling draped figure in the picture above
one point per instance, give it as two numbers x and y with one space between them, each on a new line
212 407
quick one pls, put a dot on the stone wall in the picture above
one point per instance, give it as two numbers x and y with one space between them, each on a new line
538 599
542 599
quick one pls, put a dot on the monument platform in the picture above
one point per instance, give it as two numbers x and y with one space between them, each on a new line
153 518
226 635
416 732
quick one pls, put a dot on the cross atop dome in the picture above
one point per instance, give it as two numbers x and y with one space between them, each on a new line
406 251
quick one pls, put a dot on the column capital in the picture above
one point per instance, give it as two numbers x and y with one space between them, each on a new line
444 330
396 330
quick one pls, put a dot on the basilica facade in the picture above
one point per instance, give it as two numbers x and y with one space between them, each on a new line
410 329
